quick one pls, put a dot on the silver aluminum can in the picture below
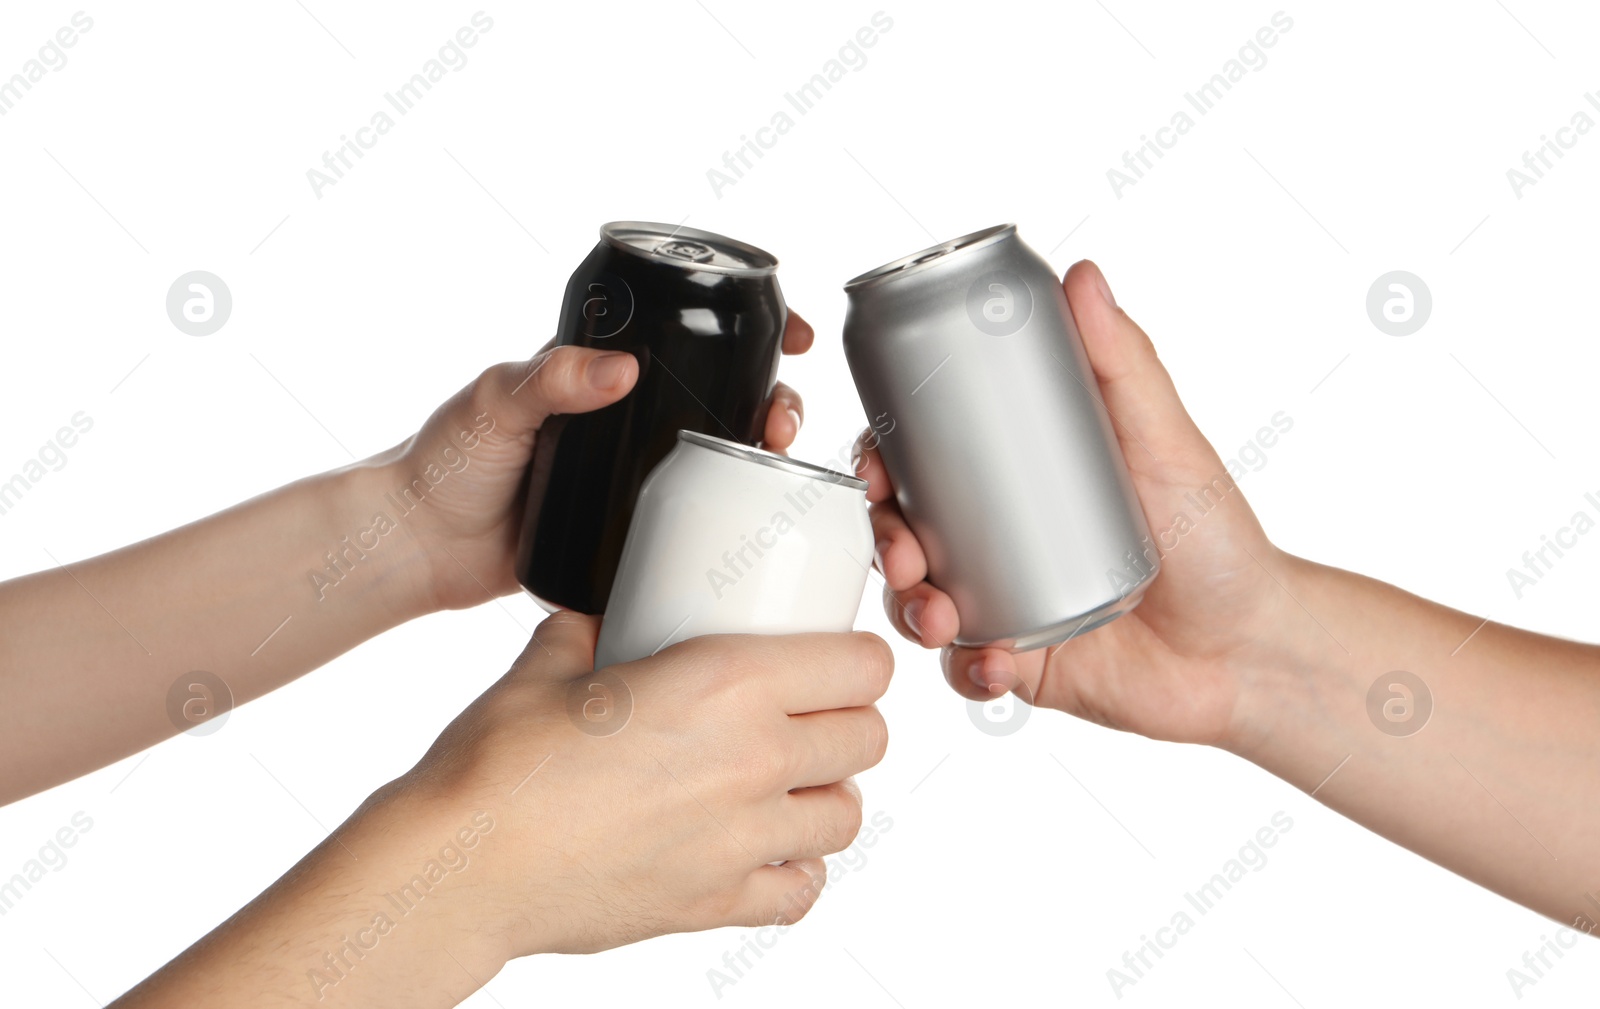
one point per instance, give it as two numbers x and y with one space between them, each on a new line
991 425
729 539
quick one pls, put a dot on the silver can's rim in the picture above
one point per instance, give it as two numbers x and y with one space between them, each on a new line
932 255
773 459
763 263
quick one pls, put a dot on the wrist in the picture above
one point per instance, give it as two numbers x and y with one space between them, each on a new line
357 922
1293 679
427 869
372 543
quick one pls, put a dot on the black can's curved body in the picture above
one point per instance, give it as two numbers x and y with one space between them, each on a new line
704 317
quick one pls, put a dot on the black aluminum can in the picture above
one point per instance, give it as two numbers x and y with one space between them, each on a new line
704 317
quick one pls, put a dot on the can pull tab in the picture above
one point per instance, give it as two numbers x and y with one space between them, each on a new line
684 249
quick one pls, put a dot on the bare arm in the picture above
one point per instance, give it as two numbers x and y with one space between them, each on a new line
93 649
1488 762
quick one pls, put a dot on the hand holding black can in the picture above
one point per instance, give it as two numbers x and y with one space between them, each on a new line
705 318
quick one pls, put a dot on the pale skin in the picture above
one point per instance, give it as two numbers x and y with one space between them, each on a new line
1242 646
738 750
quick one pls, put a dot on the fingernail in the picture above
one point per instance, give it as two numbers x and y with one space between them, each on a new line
795 416
991 674
1104 288
858 454
878 550
607 370
914 611
975 674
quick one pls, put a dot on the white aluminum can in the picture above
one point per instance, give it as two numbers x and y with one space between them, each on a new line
729 539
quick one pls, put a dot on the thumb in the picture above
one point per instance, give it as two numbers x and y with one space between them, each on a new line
561 649
983 674
560 380
1149 418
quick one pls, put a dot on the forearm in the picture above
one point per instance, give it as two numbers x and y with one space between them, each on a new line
380 914
92 650
1493 785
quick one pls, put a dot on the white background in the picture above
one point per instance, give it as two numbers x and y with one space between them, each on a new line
1377 137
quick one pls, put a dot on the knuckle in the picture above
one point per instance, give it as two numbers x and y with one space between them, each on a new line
891 608
484 392
723 663
789 911
799 900
761 769
884 520
773 911
835 831
503 728
724 905
877 733
876 660
555 368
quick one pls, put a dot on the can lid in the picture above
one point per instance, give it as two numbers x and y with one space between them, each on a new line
689 248
931 255
773 459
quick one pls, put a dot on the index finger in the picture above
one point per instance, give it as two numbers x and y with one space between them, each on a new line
797 335
800 672
834 671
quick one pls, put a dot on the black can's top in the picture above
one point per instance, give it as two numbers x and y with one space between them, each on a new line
688 248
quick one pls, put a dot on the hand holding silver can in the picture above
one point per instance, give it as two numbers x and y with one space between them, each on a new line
1004 459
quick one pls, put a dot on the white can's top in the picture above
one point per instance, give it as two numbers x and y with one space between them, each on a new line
773 459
